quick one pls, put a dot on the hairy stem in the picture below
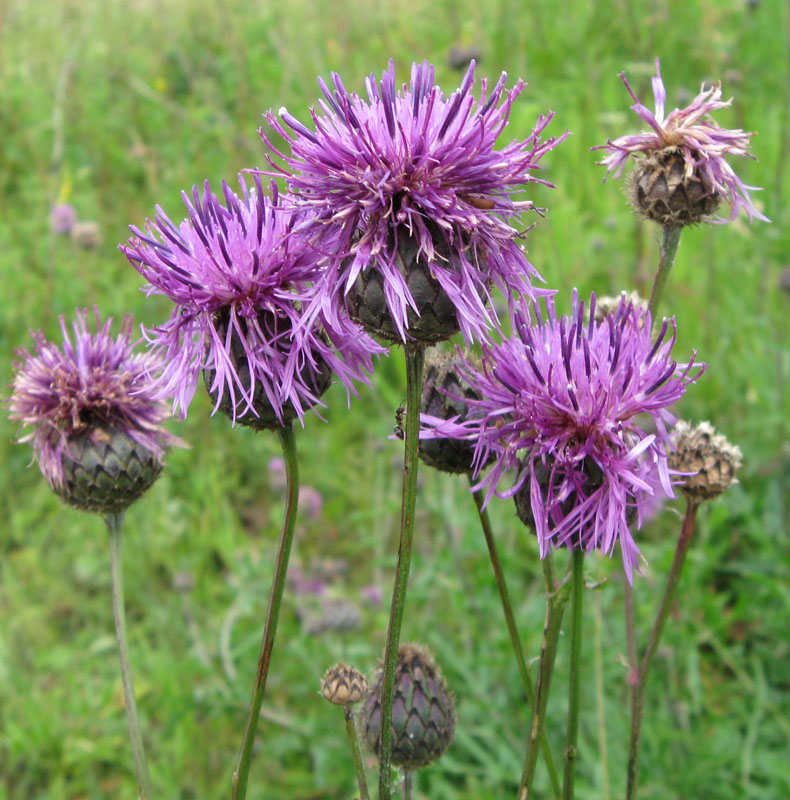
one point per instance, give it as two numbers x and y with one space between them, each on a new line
356 753
414 360
114 523
556 599
670 238
638 695
574 687
515 639
242 771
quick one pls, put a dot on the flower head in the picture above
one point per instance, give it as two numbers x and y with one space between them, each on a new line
240 277
692 134
559 410
411 164
92 383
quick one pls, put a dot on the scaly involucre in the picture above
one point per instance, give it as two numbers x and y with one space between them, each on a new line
240 277
560 401
702 142
412 162
60 392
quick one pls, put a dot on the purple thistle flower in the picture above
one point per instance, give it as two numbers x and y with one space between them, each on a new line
559 409
414 163
92 382
240 278
691 132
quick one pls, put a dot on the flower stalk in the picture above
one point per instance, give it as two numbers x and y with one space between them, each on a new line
414 361
356 752
515 639
114 523
670 238
572 731
556 599
637 696
242 771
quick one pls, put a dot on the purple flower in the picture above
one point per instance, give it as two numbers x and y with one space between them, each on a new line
559 410
62 218
240 277
95 380
414 163
702 143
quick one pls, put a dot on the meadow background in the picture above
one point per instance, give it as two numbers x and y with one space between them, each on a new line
116 106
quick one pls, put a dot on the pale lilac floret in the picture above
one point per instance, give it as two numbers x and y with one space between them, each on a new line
564 394
408 161
241 261
92 379
701 141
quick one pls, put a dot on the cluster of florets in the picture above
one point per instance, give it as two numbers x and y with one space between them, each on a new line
559 413
240 278
684 173
414 164
91 383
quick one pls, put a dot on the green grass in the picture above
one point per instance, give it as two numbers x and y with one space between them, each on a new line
115 107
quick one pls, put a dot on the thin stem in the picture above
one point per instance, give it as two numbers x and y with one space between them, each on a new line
670 239
630 633
574 687
114 523
637 698
408 783
242 771
556 599
515 639
356 753
414 361
599 698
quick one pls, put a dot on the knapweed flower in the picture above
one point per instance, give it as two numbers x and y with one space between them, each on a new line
240 277
559 410
412 202
94 419
684 173
62 218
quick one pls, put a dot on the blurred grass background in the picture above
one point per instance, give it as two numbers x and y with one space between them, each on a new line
114 107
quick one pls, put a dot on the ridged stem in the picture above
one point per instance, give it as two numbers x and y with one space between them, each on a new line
556 598
242 771
408 784
574 685
356 753
638 695
515 639
670 238
414 360
114 523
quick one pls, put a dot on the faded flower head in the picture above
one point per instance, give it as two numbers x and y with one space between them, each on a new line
343 685
559 410
240 277
708 460
93 393
413 168
684 159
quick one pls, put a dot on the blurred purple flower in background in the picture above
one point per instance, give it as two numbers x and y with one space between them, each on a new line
239 277
62 218
311 502
559 410
92 382
691 132
414 164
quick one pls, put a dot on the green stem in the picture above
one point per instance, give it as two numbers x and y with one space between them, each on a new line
638 695
572 732
599 698
356 753
414 360
515 639
670 239
408 783
114 523
242 771
556 598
